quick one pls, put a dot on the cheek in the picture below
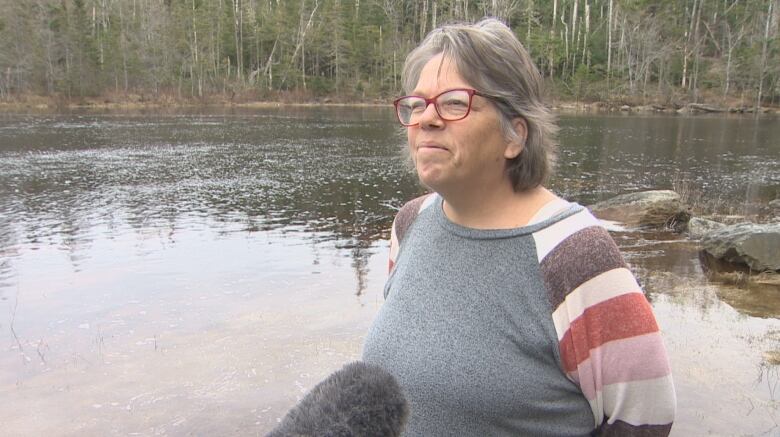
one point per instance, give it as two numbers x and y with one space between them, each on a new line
410 137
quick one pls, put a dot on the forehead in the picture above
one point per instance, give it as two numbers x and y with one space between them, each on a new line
439 74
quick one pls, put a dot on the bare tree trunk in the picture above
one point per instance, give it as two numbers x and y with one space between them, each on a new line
731 42
49 67
696 53
195 51
301 33
266 70
622 47
574 36
96 31
433 14
181 77
122 46
686 47
644 84
218 55
395 73
585 51
381 59
551 48
237 24
213 50
565 44
763 57
68 58
423 19
609 44
241 39
256 63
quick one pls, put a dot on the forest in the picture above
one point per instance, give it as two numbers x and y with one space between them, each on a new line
632 51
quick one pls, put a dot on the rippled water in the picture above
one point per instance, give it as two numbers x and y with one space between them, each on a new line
197 273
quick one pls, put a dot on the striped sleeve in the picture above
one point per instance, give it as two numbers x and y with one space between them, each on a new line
403 219
393 246
608 338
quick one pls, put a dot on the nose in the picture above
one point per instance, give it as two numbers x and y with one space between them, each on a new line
430 118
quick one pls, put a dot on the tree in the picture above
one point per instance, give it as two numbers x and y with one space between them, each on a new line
621 49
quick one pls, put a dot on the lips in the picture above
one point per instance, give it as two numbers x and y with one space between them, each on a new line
431 146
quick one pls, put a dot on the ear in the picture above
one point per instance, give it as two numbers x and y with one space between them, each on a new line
514 147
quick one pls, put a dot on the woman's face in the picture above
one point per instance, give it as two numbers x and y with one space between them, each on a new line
467 155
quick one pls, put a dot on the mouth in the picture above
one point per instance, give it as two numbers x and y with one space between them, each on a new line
431 146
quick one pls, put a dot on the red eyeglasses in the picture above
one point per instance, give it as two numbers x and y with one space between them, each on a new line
451 105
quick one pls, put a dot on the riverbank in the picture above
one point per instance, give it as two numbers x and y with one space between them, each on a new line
164 101
687 108
140 101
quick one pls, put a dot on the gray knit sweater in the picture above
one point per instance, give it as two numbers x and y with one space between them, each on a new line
468 330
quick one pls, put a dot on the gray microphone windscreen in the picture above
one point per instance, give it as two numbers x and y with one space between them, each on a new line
359 400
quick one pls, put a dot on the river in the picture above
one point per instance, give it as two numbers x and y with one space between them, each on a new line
196 272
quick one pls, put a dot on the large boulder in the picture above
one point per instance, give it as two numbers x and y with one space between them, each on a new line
699 227
756 246
644 208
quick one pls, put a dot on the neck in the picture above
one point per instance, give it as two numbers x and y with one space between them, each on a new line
500 208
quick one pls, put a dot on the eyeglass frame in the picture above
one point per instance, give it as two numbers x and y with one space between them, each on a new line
428 101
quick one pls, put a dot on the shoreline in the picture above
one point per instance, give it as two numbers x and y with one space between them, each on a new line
51 104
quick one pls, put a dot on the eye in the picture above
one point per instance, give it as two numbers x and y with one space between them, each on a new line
412 104
455 102
416 105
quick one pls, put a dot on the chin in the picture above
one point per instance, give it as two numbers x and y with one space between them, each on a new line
428 182
430 175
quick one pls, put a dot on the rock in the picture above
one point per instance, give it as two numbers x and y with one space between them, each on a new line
772 358
699 227
625 108
755 245
645 208
684 110
705 108
775 204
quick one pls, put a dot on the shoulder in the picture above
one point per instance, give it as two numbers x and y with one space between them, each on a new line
577 235
409 212
403 220
577 250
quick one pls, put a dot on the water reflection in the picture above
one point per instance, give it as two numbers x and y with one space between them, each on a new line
244 250
330 177
728 164
326 172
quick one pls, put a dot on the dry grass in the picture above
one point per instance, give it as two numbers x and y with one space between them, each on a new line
716 206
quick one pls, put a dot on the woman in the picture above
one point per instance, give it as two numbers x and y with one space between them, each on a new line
508 311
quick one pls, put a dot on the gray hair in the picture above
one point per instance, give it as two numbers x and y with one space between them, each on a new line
490 58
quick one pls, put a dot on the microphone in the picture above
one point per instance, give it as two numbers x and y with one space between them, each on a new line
360 400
